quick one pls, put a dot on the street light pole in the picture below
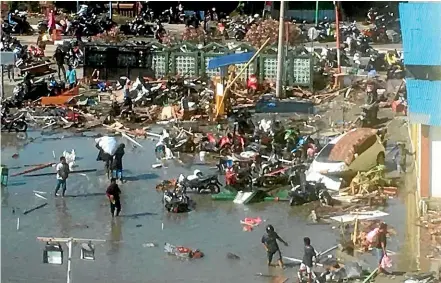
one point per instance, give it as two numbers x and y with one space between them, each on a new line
337 30
280 50
316 12
69 260
69 242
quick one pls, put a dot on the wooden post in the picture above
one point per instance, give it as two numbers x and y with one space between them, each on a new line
241 71
354 237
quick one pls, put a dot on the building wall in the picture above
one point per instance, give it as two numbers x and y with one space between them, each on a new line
435 161
421 27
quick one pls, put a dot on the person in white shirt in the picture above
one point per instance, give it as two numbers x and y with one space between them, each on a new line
62 175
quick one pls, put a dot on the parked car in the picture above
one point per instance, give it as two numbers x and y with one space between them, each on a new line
357 150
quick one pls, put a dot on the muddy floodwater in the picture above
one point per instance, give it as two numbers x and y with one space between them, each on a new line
213 227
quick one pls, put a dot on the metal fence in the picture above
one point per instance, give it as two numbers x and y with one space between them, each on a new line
185 59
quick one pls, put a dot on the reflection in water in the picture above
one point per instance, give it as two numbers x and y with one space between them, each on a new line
64 219
5 195
115 238
17 140
176 217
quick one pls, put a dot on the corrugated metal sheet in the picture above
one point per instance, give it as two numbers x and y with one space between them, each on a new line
346 147
424 99
421 30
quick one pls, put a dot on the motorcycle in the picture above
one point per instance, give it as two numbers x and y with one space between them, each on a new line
17 124
176 202
278 176
74 57
200 184
239 31
311 191
395 72
240 180
368 117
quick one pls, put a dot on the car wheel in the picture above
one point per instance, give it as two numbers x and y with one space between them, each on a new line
381 158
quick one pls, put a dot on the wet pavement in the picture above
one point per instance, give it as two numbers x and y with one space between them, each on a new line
213 227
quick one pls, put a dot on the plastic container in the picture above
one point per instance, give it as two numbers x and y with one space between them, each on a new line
4 175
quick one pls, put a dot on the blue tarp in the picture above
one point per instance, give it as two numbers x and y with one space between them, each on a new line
230 59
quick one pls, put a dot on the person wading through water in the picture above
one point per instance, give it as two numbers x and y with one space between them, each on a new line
380 245
117 165
62 175
307 261
113 192
269 241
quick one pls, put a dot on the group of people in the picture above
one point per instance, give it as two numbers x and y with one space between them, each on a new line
377 240
113 192
71 75
269 242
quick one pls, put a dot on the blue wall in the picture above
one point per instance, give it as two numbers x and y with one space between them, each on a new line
421 32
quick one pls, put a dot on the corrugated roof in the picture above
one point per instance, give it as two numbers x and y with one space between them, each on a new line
345 148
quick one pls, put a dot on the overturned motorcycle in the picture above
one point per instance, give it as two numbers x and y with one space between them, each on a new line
176 202
17 124
199 183
309 192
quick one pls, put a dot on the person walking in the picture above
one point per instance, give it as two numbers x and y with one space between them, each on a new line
51 22
71 77
113 193
269 241
400 157
307 261
380 245
59 58
117 164
62 175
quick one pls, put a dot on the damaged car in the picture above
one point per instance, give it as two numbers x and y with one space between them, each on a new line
357 150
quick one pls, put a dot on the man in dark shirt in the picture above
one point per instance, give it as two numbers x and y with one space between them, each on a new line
59 57
113 192
269 241
307 261
380 245
117 164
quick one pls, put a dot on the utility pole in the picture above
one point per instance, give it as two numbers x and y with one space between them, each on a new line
110 9
337 30
316 12
280 62
78 6
69 242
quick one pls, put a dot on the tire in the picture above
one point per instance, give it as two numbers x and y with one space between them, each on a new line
266 170
75 63
213 188
20 126
226 150
381 158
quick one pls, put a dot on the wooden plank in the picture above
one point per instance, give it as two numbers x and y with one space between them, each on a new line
35 208
54 173
57 100
39 167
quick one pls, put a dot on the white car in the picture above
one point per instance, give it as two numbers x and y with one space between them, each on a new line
357 150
